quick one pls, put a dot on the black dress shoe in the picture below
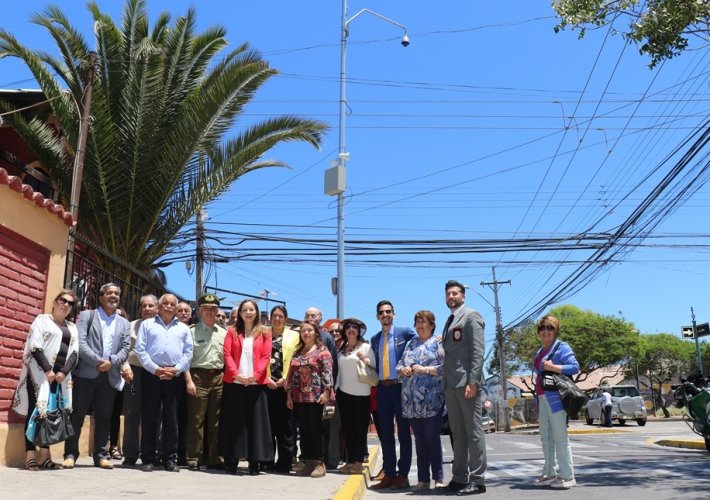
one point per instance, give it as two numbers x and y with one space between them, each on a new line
472 489
253 468
455 486
193 467
148 467
215 466
172 467
129 462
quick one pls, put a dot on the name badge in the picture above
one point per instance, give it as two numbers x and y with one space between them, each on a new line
458 335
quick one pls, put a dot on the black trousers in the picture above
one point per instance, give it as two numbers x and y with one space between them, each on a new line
156 392
310 421
98 394
281 430
355 419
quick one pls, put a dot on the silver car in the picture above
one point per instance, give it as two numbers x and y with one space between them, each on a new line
627 404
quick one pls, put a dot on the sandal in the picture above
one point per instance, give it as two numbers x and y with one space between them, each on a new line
114 453
48 464
32 465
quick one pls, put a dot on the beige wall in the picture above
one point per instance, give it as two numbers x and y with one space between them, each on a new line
24 217
44 228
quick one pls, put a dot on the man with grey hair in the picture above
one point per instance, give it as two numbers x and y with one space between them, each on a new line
131 373
164 347
104 342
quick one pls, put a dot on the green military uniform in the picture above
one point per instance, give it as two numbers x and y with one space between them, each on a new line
206 371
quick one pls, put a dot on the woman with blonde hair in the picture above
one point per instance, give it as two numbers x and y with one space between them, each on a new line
554 356
51 353
244 429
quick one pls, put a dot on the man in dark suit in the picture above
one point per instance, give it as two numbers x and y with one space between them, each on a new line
388 345
463 378
104 343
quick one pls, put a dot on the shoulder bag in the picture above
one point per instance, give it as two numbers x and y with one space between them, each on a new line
367 374
573 398
54 427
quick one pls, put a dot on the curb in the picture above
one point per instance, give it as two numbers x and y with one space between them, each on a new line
692 444
356 485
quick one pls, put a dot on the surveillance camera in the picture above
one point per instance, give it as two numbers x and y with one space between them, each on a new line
405 41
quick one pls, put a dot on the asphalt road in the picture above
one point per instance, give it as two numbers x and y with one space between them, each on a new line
621 465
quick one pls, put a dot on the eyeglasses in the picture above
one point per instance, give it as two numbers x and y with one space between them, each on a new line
62 300
548 328
384 311
351 325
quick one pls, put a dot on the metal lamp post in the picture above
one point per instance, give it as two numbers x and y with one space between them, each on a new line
335 176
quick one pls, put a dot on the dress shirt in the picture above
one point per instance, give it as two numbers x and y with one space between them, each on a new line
108 324
208 346
160 345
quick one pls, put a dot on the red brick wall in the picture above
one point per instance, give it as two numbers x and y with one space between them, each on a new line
23 274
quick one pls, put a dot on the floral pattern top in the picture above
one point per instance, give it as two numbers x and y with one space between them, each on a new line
310 374
276 364
423 394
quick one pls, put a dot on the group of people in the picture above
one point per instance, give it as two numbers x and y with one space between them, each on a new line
253 388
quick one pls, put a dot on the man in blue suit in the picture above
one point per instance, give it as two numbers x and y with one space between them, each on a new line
388 345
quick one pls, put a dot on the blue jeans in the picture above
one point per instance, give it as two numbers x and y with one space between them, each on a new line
555 443
428 443
389 409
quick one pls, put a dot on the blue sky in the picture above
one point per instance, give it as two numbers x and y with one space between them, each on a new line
488 128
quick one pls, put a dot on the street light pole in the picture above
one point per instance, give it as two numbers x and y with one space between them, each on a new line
335 177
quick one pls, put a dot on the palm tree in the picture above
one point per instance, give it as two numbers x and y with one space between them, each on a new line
161 143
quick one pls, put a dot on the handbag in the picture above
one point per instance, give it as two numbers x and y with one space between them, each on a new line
573 398
53 427
366 374
328 411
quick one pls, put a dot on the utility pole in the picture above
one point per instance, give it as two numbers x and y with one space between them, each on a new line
697 344
200 253
78 171
503 405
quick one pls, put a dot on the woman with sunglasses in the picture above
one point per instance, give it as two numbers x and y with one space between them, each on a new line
553 356
51 353
353 396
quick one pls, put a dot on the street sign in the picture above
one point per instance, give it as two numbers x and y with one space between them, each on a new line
702 330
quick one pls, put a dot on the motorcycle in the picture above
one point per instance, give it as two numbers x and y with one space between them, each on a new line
694 394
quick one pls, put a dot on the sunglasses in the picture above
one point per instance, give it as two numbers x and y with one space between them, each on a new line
62 300
548 328
384 311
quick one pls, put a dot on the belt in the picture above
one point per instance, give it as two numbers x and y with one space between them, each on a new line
211 371
391 381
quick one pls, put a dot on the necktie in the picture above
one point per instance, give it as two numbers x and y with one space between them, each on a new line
385 357
448 324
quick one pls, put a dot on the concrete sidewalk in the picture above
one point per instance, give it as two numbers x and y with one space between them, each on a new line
88 482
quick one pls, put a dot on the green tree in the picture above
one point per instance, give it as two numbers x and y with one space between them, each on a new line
661 357
660 28
161 143
596 340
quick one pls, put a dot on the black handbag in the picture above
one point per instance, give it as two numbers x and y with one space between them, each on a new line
54 426
573 398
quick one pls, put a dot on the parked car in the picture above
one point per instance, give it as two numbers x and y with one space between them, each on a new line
489 424
627 404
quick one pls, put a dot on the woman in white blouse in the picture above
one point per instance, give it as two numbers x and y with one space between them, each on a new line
353 396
